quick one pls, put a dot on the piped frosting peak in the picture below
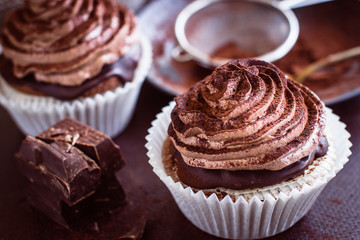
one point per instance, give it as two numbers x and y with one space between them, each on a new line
66 42
247 115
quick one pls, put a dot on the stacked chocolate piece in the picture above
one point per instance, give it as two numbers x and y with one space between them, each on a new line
71 170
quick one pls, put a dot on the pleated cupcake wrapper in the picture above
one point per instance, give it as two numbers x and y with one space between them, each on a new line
108 112
256 213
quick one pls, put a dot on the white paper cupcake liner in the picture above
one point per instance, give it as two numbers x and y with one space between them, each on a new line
257 213
108 112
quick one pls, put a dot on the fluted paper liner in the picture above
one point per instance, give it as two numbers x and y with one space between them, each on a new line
108 112
256 213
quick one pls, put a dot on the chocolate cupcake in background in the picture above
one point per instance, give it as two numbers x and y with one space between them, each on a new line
246 151
80 59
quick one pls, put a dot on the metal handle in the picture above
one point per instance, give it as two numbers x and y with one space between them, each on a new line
292 4
180 55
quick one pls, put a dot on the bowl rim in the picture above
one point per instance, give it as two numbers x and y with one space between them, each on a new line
207 60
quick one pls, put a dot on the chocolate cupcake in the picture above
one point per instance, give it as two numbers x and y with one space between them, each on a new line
247 150
80 59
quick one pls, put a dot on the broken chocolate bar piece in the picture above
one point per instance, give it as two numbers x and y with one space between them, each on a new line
108 197
93 143
59 165
71 168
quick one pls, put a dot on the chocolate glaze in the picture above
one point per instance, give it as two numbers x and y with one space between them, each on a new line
123 68
242 179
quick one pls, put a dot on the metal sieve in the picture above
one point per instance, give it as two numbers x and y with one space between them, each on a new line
213 32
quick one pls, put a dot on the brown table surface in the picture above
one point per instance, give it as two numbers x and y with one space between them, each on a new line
335 214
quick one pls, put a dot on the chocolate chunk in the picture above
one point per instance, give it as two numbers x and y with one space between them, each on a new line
108 197
71 169
66 170
136 231
93 143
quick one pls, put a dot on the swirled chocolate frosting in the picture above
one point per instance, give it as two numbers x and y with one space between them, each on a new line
247 115
66 42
